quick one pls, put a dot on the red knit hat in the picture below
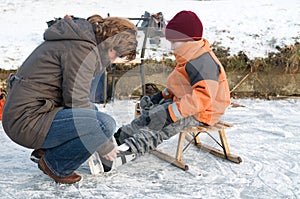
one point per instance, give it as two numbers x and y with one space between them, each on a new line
184 26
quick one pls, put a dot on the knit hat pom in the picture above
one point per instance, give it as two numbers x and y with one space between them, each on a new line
184 26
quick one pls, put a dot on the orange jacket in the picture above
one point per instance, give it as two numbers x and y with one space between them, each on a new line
198 84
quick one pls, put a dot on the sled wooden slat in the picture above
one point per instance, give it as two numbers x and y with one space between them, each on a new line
191 134
170 159
180 146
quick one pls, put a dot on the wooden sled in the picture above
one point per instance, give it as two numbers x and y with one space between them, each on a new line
191 134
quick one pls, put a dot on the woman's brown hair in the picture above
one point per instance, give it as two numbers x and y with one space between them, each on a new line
115 33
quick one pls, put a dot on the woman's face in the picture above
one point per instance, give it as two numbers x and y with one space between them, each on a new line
112 54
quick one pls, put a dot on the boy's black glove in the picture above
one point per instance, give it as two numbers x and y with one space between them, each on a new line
155 116
158 117
146 103
157 98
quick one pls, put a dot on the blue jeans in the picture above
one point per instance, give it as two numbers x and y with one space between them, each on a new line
74 135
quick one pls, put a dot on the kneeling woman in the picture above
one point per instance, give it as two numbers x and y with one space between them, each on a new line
48 107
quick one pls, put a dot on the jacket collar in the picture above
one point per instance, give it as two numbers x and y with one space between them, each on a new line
191 50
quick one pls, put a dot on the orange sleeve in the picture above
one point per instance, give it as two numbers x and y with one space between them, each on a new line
200 100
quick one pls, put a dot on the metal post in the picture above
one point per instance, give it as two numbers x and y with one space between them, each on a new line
105 88
113 66
142 69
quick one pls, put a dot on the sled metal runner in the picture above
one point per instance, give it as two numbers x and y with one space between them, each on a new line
191 134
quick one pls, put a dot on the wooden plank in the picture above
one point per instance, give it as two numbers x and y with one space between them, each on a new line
196 138
225 124
219 153
170 159
180 145
197 129
190 129
202 129
224 142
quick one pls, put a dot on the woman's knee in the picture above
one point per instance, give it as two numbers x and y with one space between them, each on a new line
108 123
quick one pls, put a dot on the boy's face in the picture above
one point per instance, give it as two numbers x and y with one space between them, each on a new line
176 44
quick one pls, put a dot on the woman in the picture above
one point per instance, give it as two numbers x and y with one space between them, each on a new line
48 107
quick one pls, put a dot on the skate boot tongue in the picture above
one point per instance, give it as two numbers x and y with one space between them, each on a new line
123 147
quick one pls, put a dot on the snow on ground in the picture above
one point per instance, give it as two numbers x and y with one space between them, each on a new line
254 27
265 134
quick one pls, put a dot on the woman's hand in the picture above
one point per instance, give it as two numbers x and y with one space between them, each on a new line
111 155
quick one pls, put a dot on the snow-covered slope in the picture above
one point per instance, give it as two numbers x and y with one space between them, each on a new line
254 27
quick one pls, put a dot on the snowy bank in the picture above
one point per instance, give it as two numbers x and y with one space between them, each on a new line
254 27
